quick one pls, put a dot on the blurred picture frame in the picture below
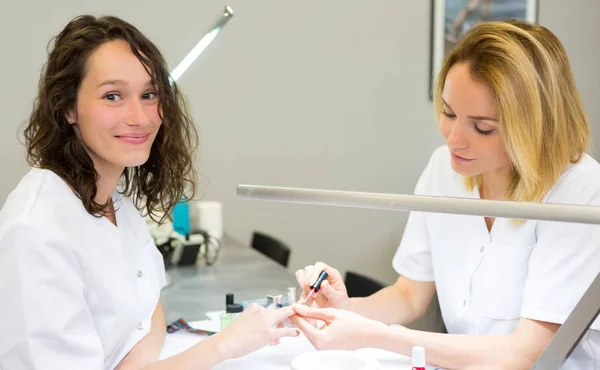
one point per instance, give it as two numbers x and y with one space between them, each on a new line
451 19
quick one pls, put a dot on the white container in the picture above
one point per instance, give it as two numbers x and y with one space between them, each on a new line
207 216
334 360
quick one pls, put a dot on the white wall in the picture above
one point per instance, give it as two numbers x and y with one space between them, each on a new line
576 24
315 94
326 95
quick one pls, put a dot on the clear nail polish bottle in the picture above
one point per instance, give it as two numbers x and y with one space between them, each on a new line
277 303
233 311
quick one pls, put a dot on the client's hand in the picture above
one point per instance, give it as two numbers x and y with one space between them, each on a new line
343 329
255 328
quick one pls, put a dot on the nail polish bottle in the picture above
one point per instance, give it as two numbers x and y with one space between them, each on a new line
234 310
418 358
278 303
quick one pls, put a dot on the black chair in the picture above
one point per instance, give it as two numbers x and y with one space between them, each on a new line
361 286
271 247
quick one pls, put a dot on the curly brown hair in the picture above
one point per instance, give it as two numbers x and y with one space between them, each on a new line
52 143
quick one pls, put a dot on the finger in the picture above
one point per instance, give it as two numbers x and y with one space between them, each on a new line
283 314
253 307
334 274
329 292
293 320
286 332
300 278
308 278
323 314
314 323
309 301
303 277
310 331
302 297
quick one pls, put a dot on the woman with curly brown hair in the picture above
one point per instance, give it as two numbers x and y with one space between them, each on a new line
109 138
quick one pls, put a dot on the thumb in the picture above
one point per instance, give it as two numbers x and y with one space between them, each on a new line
330 292
323 314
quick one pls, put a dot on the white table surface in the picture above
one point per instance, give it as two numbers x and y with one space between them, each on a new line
277 357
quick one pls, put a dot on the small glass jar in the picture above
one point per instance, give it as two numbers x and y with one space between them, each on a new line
233 311
278 303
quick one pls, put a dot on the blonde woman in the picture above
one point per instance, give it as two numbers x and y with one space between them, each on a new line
515 129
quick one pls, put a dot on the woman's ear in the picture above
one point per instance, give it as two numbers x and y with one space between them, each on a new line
70 116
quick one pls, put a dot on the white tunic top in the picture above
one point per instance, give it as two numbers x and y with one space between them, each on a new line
486 281
76 292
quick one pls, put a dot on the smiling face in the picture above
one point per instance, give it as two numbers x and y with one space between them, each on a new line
470 125
116 114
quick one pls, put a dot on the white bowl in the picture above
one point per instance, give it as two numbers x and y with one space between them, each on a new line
334 360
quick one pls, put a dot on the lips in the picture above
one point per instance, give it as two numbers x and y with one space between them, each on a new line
133 138
134 134
461 159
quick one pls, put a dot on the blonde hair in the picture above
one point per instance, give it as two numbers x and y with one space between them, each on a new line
543 123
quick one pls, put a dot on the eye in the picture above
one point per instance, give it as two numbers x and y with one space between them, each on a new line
448 115
112 97
482 132
149 95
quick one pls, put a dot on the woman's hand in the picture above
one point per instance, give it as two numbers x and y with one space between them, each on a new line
343 329
333 290
255 328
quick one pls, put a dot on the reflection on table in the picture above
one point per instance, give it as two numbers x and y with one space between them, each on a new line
195 290
277 357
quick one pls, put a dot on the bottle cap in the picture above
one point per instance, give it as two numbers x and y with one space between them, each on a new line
234 308
418 356
317 285
228 299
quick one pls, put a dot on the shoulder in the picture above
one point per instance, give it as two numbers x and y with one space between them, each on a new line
579 184
40 201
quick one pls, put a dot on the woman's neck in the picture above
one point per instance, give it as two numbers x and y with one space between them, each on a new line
106 185
495 184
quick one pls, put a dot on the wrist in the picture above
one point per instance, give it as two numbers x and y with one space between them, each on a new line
354 305
218 348
380 335
395 338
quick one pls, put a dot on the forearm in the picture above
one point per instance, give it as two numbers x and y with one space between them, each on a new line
453 351
155 339
147 350
388 305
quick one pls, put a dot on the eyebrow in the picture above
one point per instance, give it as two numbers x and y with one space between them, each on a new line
477 118
120 82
